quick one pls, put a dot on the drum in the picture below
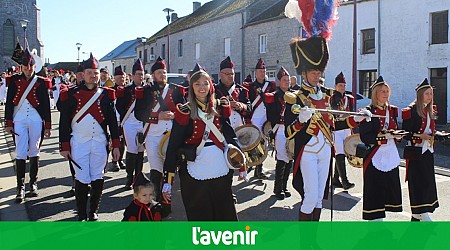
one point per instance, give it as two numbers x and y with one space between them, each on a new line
162 148
253 144
266 128
290 146
234 157
350 145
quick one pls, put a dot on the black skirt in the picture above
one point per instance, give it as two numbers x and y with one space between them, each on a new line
381 193
422 184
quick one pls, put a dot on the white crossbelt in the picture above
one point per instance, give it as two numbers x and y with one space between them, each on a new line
259 96
128 113
25 94
87 105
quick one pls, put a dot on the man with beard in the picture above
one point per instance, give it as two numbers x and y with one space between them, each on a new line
155 105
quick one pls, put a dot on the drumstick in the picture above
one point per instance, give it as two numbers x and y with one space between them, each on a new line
296 109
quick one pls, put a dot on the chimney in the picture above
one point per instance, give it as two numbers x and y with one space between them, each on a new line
174 17
196 6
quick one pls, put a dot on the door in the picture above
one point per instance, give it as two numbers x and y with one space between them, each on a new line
439 81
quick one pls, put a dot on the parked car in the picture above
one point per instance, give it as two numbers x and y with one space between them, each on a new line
176 78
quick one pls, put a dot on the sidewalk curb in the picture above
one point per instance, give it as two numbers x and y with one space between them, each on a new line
9 210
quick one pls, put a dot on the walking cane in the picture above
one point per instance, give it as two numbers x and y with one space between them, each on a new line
74 163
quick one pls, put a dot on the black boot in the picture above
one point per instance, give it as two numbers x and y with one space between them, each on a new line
139 163
20 176
341 170
316 214
305 217
131 163
156 179
81 196
122 151
34 166
286 173
278 185
259 172
96 194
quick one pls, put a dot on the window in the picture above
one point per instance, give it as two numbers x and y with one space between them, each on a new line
180 48
180 71
163 51
439 27
124 67
152 52
227 46
271 75
366 79
197 51
8 37
262 43
368 41
145 56
140 54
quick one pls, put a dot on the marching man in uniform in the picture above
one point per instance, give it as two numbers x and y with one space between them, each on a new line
343 102
155 106
275 114
234 92
126 103
258 103
28 117
87 112
311 130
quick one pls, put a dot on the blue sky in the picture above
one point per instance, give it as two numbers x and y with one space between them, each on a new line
100 26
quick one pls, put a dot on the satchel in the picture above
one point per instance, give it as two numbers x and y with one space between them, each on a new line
187 152
362 150
412 153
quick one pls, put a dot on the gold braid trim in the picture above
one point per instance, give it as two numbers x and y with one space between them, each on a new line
297 48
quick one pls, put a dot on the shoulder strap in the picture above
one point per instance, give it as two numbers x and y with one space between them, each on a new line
160 98
25 94
87 106
128 112
260 92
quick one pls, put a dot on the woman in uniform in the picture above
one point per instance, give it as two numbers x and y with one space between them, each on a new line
382 191
200 130
418 120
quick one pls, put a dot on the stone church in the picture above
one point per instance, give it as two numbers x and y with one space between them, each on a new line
12 12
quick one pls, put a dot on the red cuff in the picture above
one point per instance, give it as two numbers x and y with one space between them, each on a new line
351 122
298 126
9 123
48 125
116 143
64 146
226 111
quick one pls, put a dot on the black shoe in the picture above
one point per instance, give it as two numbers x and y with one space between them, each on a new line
337 183
20 195
348 185
129 185
414 219
114 167
122 165
34 190
249 169
93 217
279 196
261 176
287 194
72 192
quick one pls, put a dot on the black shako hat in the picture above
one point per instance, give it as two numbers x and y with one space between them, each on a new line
378 82
311 53
260 64
159 64
227 64
27 59
118 71
424 84
339 79
137 66
282 72
91 63
80 68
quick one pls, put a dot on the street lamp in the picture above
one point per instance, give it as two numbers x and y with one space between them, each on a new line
143 40
24 24
168 10
78 47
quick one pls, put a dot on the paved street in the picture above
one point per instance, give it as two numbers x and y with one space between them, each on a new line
255 200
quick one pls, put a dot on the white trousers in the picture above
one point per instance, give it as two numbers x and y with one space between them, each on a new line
55 96
28 138
339 138
92 158
280 145
130 129
315 168
152 147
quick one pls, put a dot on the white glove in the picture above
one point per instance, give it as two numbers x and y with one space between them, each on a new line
167 188
305 114
365 114
389 136
243 176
